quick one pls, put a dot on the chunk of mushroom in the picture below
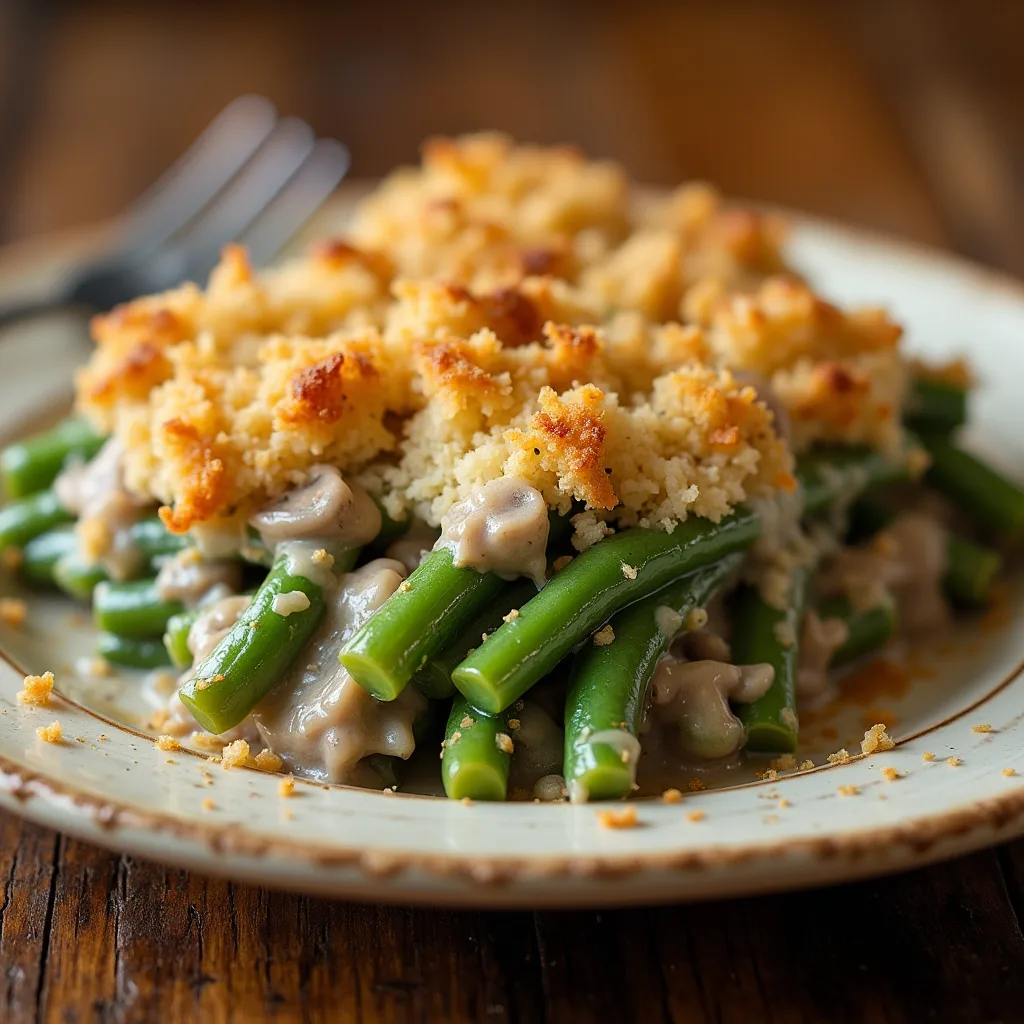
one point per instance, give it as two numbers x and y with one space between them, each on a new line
695 695
325 507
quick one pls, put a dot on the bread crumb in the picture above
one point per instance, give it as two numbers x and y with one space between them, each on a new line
954 762
560 563
875 739
322 557
503 742
512 615
404 587
13 611
768 775
268 761
696 785
890 774
626 818
1009 771
695 816
206 741
466 801
604 636
784 803
466 722
629 571
841 756
981 727
671 796
514 723
37 690
696 618
785 763
12 559
235 754
208 804
848 791
52 733
806 765
286 787
167 743
927 756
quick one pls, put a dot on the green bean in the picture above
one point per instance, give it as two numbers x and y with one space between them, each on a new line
132 609
609 683
152 540
970 572
424 617
26 518
33 464
586 593
176 637
991 500
476 755
417 622
258 649
831 473
434 679
133 652
41 554
763 634
866 630
77 577
934 406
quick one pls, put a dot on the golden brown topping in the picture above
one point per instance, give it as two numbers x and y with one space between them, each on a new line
52 733
626 818
37 690
13 611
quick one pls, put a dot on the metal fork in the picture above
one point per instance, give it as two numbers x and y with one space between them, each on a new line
250 177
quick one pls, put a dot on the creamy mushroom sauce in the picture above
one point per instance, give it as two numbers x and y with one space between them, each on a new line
819 641
693 697
906 561
413 545
95 492
188 577
317 718
503 528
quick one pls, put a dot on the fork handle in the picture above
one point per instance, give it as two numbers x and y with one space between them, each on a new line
16 312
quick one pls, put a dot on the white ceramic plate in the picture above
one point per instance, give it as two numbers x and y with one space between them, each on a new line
107 783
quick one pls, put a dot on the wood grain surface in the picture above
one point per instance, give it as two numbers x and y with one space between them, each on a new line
902 115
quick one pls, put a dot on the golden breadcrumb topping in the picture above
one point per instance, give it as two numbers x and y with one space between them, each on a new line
625 818
671 796
841 756
167 743
500 310
37 690
1009 771
208 804
234 754
890 774
286 787
695 815
268 761
848 791
927 756
52 733
806 765
954 762
604 636
875 739
784 763
982 727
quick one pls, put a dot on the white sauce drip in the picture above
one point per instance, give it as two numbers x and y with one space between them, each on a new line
695 695
304 558
318 718
502 528
187 578
292 601
214 623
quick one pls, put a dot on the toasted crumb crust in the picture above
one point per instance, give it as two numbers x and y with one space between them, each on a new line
37 690
52 733
501 310
625 818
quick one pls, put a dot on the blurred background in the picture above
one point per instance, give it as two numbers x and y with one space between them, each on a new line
903 115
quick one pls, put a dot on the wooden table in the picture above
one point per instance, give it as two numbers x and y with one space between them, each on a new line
898 114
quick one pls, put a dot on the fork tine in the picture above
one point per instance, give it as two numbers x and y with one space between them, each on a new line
245 197
301 197
224 147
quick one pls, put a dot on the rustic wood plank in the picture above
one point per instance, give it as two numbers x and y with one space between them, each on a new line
29 873
939 64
